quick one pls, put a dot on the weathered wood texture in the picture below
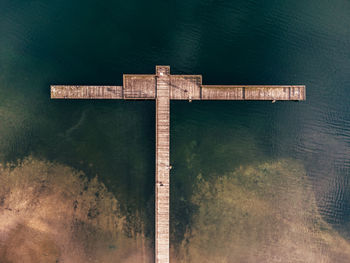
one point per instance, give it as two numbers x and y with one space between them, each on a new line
253 92
185 87
221 93
139 86
162 70
181 87
162 167
86 92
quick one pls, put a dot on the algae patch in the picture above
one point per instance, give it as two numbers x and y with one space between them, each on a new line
52 213
261 213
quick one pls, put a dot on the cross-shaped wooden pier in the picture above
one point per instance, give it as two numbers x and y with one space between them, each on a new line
164 87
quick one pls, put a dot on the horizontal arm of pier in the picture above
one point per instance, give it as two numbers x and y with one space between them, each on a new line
180 88
252 92
86 92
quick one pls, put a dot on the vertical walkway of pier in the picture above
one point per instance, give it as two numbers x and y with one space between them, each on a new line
162 164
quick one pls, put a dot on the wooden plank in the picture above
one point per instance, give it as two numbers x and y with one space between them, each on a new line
162 167
253 92
86 92
139 86
160 70
210 92
185 87
297 93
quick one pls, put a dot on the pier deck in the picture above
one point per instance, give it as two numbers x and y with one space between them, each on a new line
164 87
162 166
181 87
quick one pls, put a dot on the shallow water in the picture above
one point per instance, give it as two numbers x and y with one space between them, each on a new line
240 42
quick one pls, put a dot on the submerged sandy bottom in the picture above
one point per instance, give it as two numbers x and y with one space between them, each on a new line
51 213
259 213
265 212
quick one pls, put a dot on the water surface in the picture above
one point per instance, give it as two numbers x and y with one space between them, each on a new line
240 42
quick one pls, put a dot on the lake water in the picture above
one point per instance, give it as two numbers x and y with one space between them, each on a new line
228 42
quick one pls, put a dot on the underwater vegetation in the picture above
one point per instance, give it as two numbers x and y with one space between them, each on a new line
260 213
52 213
265 212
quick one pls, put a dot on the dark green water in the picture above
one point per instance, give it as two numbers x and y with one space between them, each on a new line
229 42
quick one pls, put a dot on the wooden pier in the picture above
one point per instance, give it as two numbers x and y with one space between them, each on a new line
162 165
163 87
